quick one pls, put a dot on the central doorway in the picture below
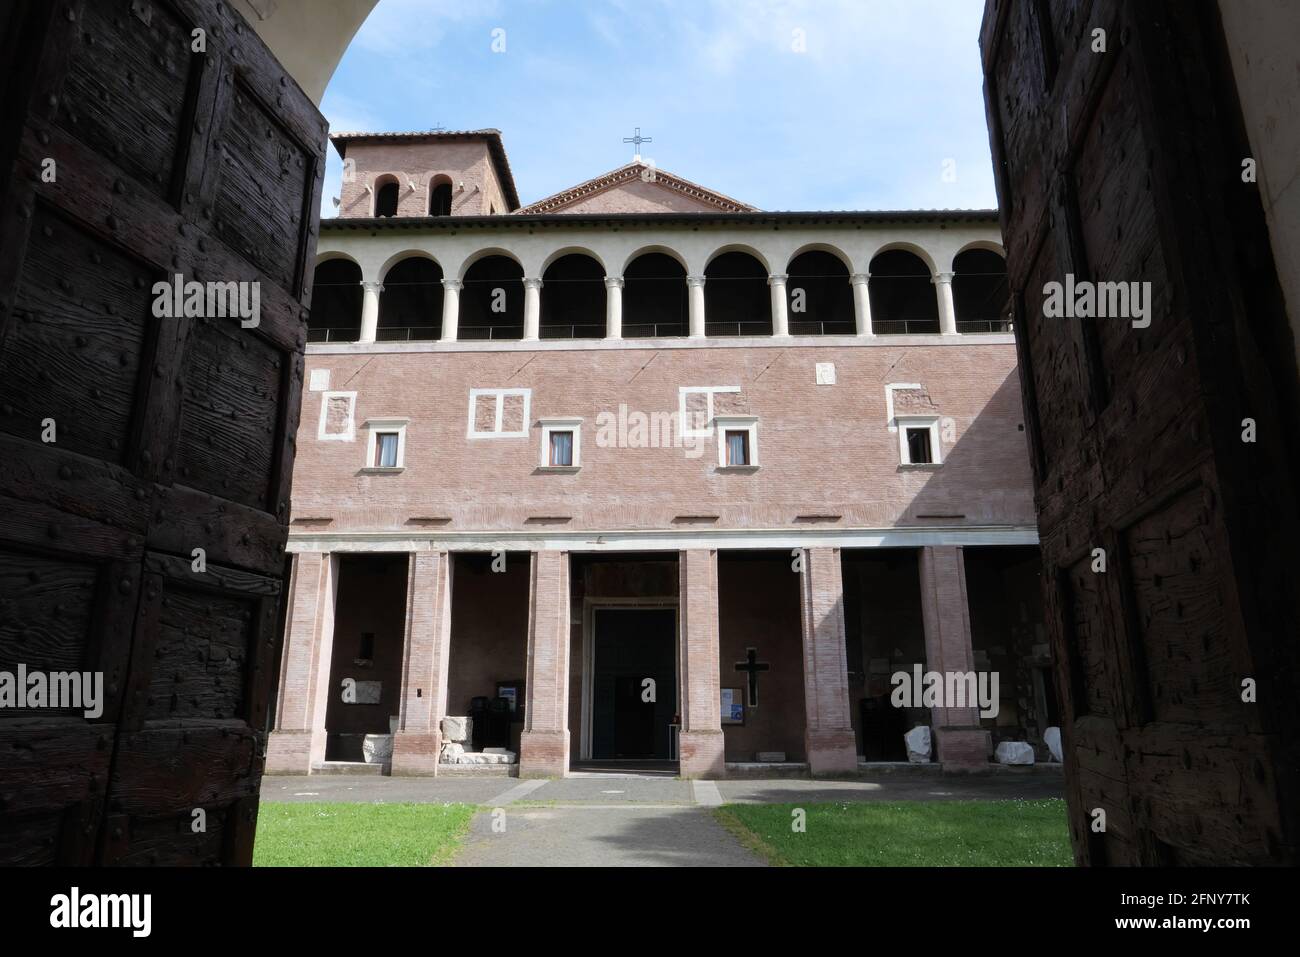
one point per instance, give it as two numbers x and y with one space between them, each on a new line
634 683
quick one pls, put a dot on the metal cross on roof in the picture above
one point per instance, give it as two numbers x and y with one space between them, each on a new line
637 139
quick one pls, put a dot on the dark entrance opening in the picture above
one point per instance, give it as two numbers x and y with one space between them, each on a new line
634 692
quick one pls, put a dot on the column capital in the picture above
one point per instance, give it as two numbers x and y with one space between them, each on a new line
372 285
697 281
455 285
941 277
860 278
613 282
777 279
532 282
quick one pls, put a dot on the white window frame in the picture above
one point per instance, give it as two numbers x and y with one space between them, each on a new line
350 433
472 433
930 422
737 423
709 391
560 424
376 426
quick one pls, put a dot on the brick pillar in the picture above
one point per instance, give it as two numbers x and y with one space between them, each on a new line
544 743
427 646
298 740
959 740
828 735
700 743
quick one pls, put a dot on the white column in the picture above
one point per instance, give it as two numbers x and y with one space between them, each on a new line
947 314
613 307
861 303
532 308
780 314
369 310
696 287
450 308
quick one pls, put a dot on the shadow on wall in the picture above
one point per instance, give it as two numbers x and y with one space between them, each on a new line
983 479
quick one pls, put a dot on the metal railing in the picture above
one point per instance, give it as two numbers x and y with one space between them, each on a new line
905 327
479 333
663 330
655 330
818 327
572 331
408 333
339 334
724 329
983 325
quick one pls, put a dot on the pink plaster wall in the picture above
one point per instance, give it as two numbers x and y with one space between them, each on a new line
469 162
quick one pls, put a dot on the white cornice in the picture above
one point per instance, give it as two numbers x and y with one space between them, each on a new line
617 540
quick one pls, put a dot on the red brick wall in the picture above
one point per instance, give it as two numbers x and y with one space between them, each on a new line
822 449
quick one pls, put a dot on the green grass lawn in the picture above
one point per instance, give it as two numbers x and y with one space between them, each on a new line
358 835
907 833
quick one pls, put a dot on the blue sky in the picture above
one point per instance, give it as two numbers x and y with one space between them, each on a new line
882 94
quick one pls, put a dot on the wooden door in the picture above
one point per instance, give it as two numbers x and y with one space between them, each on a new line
1124 164
172 153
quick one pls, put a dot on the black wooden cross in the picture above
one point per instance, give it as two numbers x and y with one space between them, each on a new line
752 665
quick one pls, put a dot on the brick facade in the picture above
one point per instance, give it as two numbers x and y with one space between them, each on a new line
827 469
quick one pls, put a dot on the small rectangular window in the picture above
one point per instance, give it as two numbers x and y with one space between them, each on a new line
738 447
918 447
561 449
386 450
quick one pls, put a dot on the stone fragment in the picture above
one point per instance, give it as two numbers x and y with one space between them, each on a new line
1052 738
377 748
457 728
918 744
1014 752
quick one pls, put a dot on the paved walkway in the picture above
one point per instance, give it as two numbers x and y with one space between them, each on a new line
613 820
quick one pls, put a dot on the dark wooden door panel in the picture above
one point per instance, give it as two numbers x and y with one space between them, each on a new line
174 434
1124 166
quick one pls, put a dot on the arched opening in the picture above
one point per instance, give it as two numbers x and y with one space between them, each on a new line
903 299
737 301
573 299
980 297
492 302
440 196
654 298
820 296
410 307
335 302
386 193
